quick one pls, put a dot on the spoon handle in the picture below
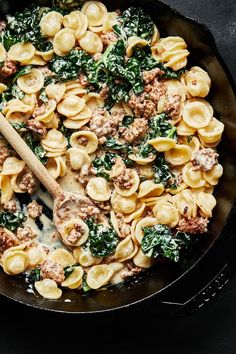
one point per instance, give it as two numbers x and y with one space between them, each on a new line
29 157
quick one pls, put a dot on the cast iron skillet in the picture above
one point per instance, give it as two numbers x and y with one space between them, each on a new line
165 280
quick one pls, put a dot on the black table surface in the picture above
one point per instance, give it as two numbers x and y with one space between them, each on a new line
210 330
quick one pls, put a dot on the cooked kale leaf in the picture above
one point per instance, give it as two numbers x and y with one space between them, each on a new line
23 71
162 171
158 241
102 240
160 127
146 149
113 144
24 27
35 147
147 62
127 120
104 164
18 126
33 275
12 220
135 22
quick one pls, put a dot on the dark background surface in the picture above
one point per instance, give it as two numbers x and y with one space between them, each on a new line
210 330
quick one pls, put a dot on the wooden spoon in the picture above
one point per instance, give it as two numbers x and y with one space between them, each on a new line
67 206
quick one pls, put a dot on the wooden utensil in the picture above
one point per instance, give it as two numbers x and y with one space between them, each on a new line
67 206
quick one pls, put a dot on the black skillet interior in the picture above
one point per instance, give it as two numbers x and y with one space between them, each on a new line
203 53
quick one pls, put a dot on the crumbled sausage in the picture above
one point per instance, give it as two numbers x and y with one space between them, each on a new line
150 75
125 229
104 92
46 71
104 206
83 80
173 106
136 130
8 69
154 91
75 234
52 270
3 25
10 206
97 56
34 209
28 182
108 38
102 125
124 180
7 240
142 107
204 159
36 126
195 225
4 154
39 110
145 105
130 270
25 234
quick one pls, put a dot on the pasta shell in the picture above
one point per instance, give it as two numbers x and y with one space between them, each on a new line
21 52
75 279
98 189
32 82
98 276
48 289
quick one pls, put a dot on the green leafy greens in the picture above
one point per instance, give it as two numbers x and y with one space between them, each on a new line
158 127
102 240
35 147
12 220
134 22
24 27
158 241
104 164
162 171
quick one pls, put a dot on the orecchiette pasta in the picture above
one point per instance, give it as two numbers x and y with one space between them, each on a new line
22 52
179 155
166 213
133 42
197 113
75 278
150 189
32 82
63 257
51 23
198 82
91 43
3 53
64 41
78 158
95 11
14 261
98 276
98 189
206 202
212 133
192 177
85 140
173 51
48 289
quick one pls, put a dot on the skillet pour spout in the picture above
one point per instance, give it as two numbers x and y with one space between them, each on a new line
167 287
